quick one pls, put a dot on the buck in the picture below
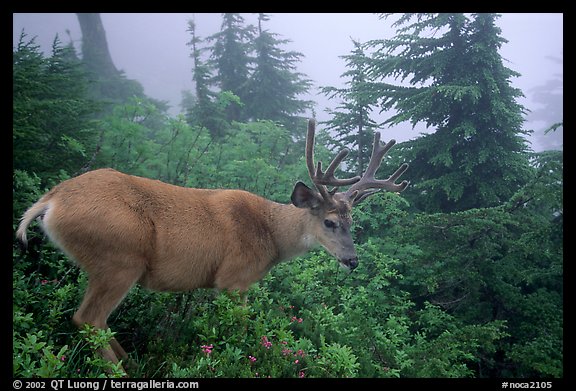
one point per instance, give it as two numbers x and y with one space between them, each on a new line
123 229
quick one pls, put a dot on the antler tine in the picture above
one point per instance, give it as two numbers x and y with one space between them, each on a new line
329 174
319 178
368 185
378 153
397 175
310 147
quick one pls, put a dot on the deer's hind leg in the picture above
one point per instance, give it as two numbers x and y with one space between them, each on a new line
105 291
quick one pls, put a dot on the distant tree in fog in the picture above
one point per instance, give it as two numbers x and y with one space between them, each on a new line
550 96
109 83
351 120
274 84
247 77
230 59
202 108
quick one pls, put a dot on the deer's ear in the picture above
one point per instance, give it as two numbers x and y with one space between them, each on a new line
305 197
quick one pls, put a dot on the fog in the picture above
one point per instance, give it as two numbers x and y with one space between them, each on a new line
151 48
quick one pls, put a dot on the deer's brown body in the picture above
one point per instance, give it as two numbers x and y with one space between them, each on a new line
169 237
122 230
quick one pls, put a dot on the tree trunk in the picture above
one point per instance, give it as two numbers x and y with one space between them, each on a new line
95 51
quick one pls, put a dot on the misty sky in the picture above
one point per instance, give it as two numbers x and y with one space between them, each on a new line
151 48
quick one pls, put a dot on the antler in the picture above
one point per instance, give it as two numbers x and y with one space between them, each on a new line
369 185
319 178
362 187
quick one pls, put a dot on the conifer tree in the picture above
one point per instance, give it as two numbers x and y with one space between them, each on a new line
274 85
351 121
202 109
53 126
460 86
230 58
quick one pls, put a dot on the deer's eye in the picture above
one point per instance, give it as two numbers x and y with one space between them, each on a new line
330 224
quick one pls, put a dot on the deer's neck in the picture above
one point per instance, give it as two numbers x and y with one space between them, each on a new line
291 230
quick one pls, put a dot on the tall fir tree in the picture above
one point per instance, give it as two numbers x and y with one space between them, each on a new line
202 108
459 85
274 84
351 121
231 60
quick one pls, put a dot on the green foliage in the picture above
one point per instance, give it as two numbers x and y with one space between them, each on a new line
370 312
491 265
53 128
257 156
128 136
44 343
32 358
26 190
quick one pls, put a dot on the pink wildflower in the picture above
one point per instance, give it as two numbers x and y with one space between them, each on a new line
63 358
295 319
44 282
301 374
252 359
286 351
207 349
300 353
267 344
296 361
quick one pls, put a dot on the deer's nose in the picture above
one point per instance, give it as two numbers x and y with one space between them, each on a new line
351 263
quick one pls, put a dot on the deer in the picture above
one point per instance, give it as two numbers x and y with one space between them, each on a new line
124 230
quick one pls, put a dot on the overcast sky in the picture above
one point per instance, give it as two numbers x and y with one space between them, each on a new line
151 48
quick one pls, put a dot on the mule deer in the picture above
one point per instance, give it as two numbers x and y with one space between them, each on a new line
122 230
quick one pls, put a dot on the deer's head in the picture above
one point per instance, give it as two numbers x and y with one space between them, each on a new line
332 209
